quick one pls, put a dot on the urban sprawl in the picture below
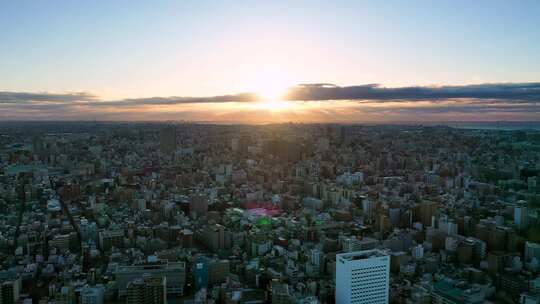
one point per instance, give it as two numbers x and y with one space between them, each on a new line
286 213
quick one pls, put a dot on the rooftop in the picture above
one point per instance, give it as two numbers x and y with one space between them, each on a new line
361 255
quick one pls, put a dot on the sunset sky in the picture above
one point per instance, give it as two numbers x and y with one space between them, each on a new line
271 61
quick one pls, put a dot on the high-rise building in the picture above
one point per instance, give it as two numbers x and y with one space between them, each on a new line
198 204
521 217
200 273
368 208
213 237
363 277
88 230
218 271
9 291
427 211
395 216
10 287
111 238
6 293
280 293
92 295
167 140
147 290
66 295
135 291
532 250
316 257
61 241
207 272
417 252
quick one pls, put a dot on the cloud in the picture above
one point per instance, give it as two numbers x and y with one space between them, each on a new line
509 92
314 102
25 97
514 92
472 108
242 97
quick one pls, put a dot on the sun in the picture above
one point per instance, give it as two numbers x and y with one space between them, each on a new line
272 97
271 84
273 100
271 92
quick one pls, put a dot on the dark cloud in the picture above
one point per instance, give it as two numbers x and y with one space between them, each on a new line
465 108
508 92
24 97
515 92
243 97
349 103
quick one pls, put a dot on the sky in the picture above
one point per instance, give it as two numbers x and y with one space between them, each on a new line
254 61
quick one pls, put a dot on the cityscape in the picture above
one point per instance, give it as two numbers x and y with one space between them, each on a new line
269 152
288 213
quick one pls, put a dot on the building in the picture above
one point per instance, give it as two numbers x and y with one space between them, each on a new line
111 238
200 273
363 277
280 293
61 241
8 292
174 272
529 298
521 217
316 257
532 250
10 287
513 284
88 230
218 271
213 237
147 290
479 248
368 208
354 244
417 252
427 211
167 140
446 292
198 204
66 294
92 295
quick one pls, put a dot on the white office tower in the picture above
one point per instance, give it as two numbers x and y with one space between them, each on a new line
363 277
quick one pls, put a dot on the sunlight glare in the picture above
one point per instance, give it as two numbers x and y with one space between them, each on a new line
276 105
272 92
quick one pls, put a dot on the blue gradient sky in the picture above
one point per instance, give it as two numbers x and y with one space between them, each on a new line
133 49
